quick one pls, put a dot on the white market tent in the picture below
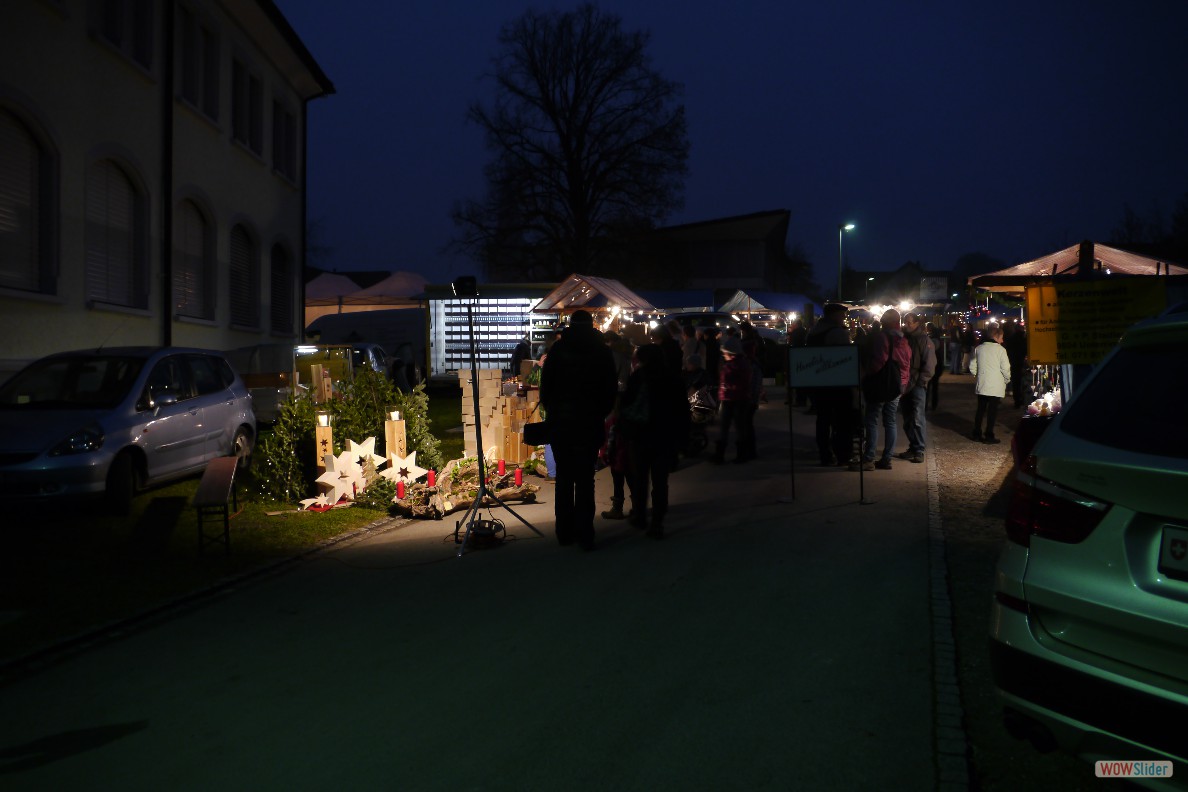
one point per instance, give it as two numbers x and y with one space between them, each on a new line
329 285
398 290
592 294
750 301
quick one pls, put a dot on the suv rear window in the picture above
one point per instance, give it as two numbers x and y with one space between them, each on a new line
1135 402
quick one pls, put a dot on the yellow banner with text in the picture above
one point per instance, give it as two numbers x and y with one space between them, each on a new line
1079 322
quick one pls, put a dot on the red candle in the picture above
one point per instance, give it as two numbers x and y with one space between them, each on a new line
432 478
519 477
400 490
502 468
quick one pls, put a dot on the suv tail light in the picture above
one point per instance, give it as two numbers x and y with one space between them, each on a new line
1040 507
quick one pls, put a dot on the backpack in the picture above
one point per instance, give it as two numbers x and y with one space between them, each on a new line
885 384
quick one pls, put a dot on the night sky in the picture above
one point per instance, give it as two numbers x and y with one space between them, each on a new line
1010 129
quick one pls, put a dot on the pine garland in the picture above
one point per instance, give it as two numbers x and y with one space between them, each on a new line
285 462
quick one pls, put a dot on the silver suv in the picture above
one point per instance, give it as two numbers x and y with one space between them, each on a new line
1089 630
114 420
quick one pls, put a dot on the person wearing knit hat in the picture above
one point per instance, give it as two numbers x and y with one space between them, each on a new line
734 394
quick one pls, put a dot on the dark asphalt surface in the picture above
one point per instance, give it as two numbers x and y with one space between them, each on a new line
792 631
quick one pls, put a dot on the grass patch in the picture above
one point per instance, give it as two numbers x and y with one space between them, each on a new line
68 568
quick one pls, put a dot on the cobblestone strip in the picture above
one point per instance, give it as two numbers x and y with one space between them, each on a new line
952 743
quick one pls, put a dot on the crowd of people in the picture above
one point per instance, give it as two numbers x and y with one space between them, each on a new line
631 405
849 418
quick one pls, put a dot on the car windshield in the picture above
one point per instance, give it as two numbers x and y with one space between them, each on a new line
1131 403
69 383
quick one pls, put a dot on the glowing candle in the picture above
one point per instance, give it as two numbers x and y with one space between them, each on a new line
432 478
400 490
519 477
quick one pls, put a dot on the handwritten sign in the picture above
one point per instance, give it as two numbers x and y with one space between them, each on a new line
823 366
1079 322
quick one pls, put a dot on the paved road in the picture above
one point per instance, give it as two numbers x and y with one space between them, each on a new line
769 642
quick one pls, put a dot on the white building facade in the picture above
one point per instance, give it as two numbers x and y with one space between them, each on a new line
152 174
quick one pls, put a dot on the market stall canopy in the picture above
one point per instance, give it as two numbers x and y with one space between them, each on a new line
330 285
682 301
1065 262
404 285
591 293
398 290
766 302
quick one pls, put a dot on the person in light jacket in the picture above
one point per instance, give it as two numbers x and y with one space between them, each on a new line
992 368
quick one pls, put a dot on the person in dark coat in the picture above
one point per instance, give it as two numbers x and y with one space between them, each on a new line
836 415
654 416
522 352
734 398
673 355
713 351
1015 343
578 385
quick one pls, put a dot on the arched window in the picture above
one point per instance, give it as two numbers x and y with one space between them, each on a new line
26 207
116 244
193 263
244 279
282 291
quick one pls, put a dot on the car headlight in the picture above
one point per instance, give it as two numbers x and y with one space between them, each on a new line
85 440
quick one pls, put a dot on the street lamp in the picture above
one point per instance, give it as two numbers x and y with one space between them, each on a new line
868 280
841 230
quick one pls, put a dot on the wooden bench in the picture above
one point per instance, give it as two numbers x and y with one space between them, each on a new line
215 496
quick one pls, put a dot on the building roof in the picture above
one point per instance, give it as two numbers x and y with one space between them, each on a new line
276 36
758 225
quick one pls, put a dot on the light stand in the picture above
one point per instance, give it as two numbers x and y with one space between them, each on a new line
466 286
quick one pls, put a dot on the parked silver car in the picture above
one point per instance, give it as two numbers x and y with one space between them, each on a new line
110 421
1089 629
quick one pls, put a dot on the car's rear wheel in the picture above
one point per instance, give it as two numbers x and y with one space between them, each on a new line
241 448
121 484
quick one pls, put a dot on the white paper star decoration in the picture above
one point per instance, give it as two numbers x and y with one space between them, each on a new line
360 451
342 478
321 500
403 468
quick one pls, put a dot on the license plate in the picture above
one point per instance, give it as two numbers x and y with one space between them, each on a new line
1173 553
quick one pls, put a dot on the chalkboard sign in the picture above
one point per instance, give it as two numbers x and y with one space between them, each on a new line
822 366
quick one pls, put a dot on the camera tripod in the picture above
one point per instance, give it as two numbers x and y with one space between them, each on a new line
466 287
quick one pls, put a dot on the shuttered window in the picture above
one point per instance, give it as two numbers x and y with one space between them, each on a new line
284 141
115 248
247 107
282 292
20 203
193 270
199 64
128 26
244 280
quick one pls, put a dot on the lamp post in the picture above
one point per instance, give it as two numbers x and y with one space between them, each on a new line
841 230
868 280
